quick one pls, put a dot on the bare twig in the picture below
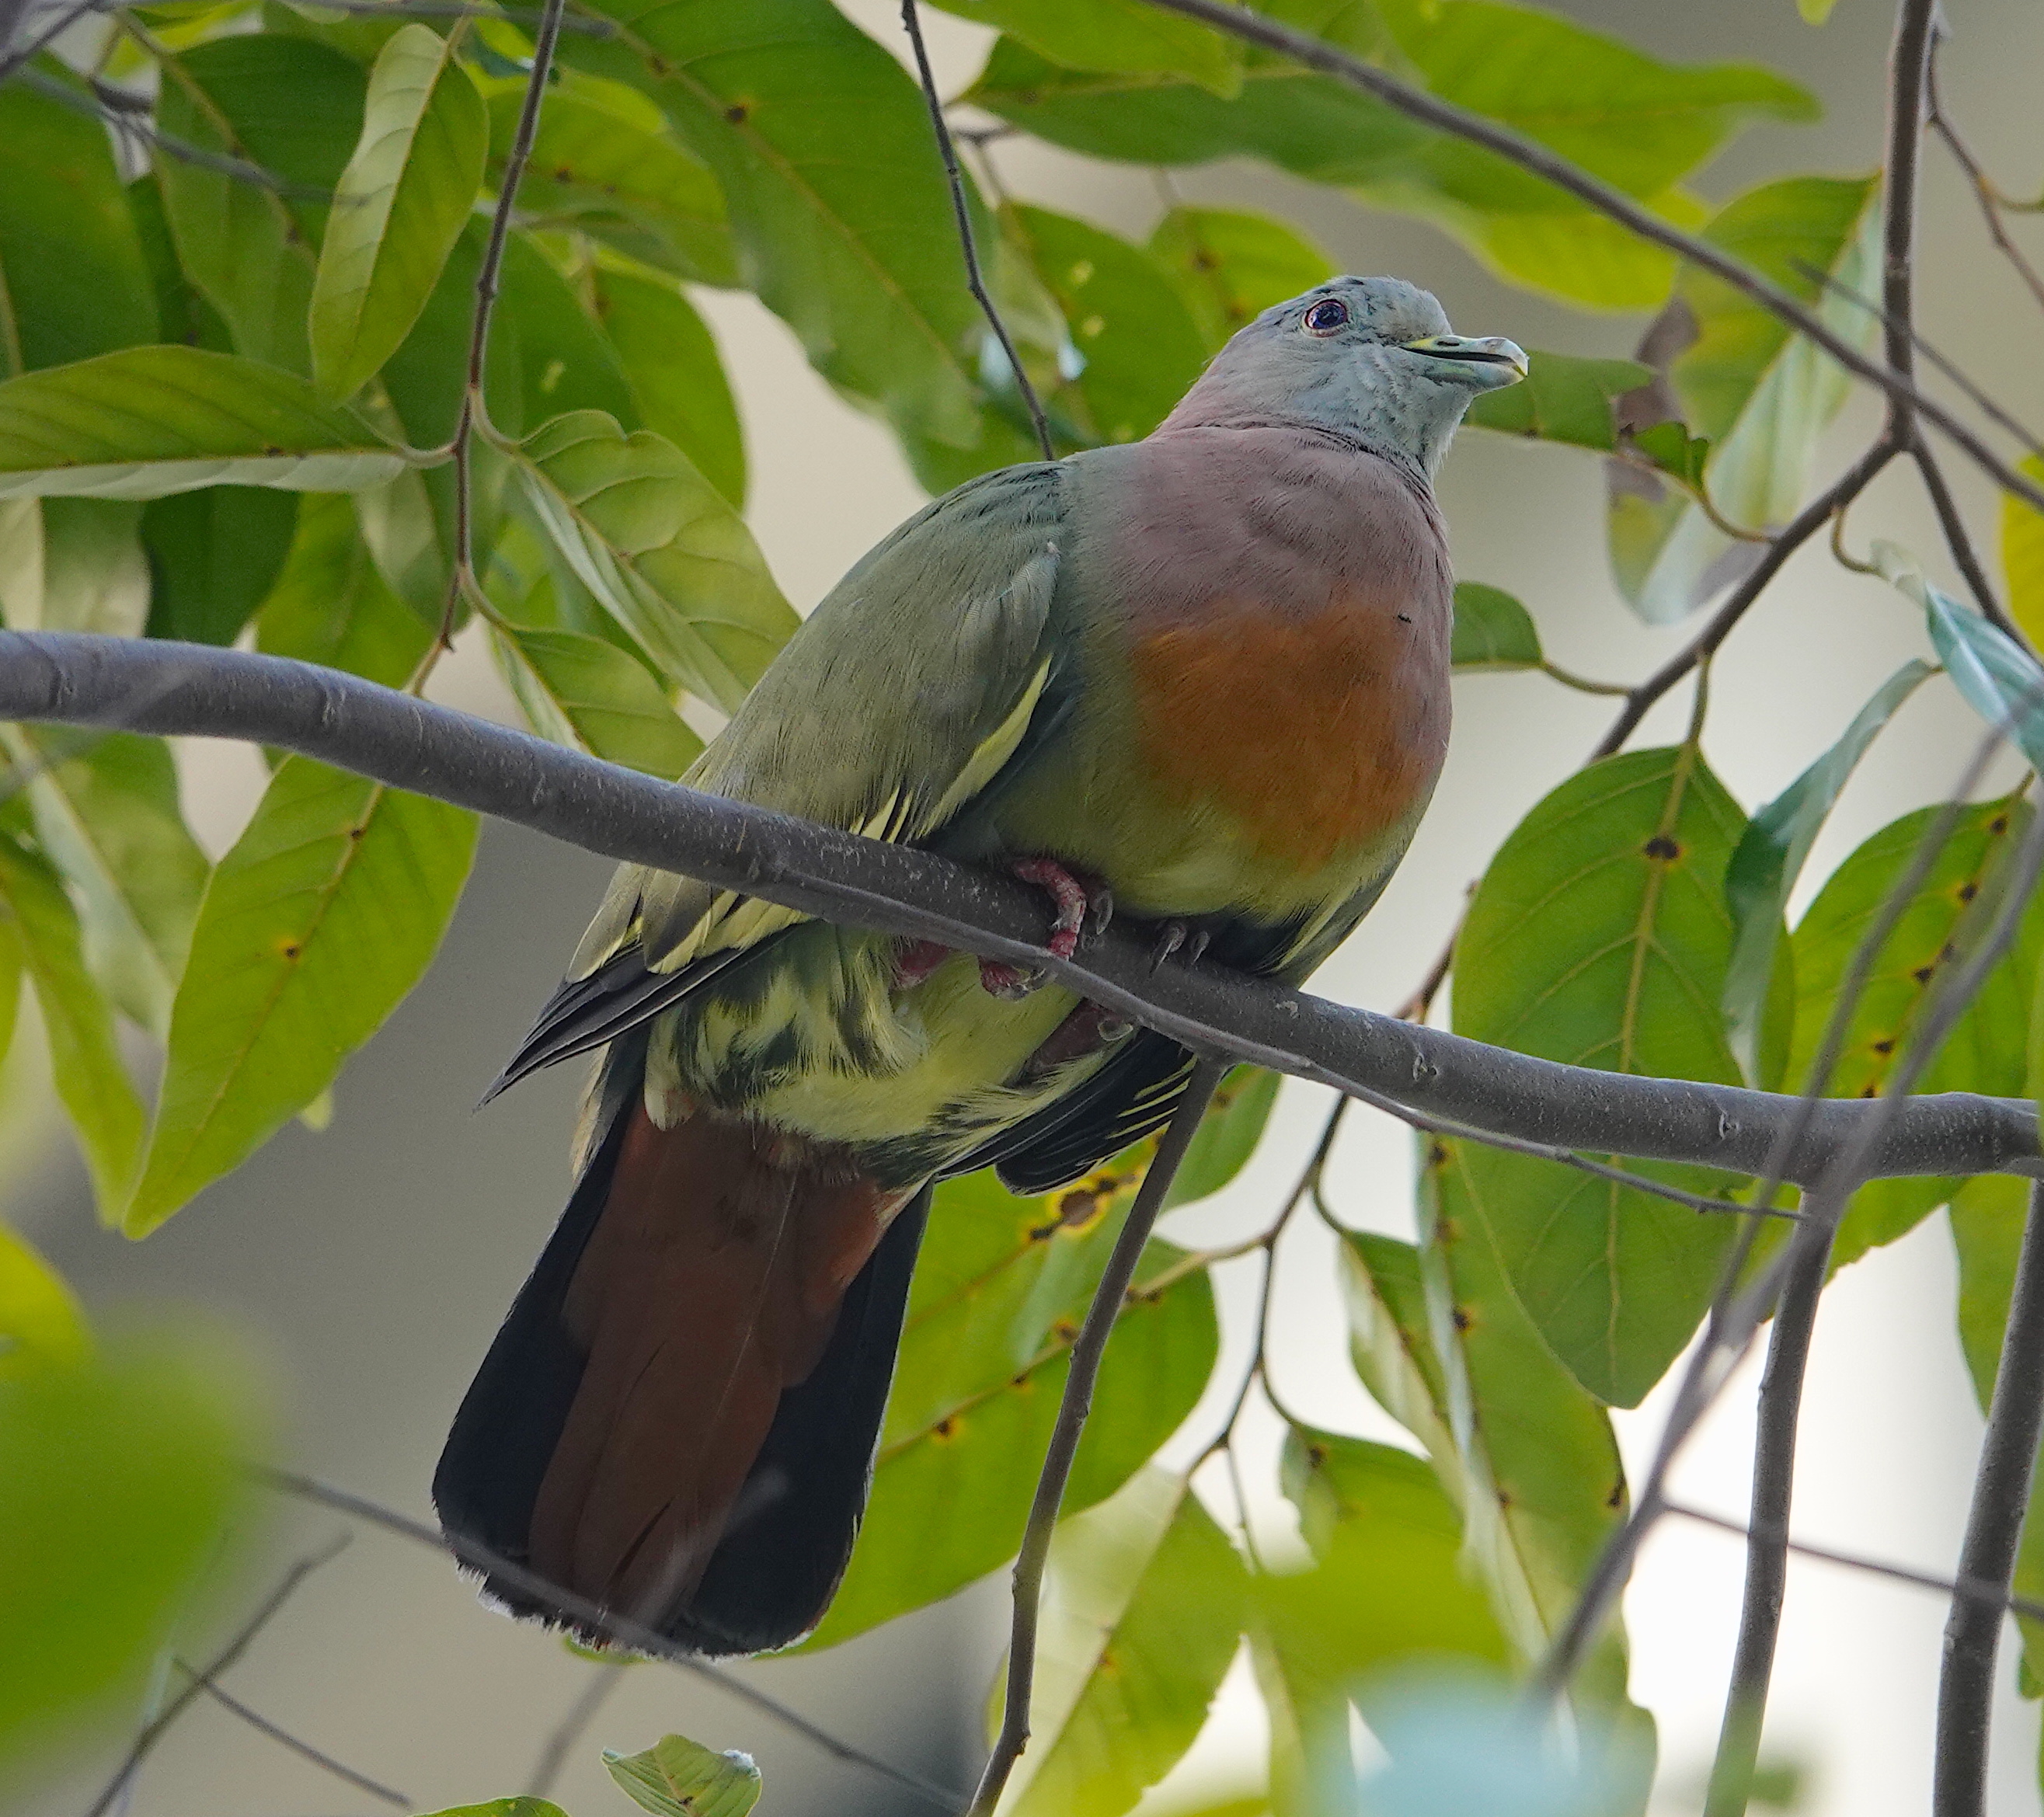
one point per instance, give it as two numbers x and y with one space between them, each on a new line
1317 54
1991 199
1072 1411
624 1631
1959 542
26 53
74 678
153 1731
1994 1529
305 1749
603 1679
962 211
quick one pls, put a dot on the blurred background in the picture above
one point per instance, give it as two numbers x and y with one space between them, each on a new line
374 1259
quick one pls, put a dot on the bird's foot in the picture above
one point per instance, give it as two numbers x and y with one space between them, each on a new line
1082 908
914 961
1174 937
998 978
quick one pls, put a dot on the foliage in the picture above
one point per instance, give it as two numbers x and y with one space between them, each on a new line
234 368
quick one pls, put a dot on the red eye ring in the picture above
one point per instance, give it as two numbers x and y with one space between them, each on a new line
1328 316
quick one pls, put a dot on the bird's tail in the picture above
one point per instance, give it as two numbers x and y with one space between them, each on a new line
678 1420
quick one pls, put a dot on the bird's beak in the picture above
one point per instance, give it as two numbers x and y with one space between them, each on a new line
1494 361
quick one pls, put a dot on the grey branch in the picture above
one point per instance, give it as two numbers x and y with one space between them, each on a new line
193 689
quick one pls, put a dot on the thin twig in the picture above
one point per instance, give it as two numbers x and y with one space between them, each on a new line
1315 53
625 1632
26 53
1072 1411
1991 199
1804 525
305 1749
1959 542
153 1731
1994 1531
603 1679
962 211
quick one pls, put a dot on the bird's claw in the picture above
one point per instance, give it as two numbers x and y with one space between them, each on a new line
1010 983
1175 936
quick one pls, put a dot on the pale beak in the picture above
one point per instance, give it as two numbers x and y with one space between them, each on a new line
1493 351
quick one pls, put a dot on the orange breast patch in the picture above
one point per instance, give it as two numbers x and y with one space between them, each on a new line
1317 732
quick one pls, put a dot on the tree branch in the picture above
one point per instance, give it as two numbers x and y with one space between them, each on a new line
150 685
1072 1411
1994 1530
304 1750
1317 54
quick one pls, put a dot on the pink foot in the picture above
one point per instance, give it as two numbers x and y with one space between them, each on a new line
916 960
1076 902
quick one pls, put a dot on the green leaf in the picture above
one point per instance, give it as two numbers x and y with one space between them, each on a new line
184 316
1770 856
1227 1134
119 1477
1734 373
317 924
1112 35
676 377
41 1322
1562 399
71 270
1988 1215
1985 1050
153 421
107 816
2022 556
1492 630
400 206
580 691
1815 12
522 1806
1641 125
999 1292
84 1057
858 256
1997 678
606 162
1140 348
1599 937
677 1778
1526 1454
331 605
646 534
1141 1619
293 110
93 574
214 555
1230 265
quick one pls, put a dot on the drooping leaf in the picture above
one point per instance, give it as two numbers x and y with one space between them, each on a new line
998 1297
1231 266
119 1475
2023 558
1112 35
316 924
184 316
1142 1616
676 377
41 1322
1600 936
154 420
1136 337
522 1806
677 1778
2000 679
292 110
579 690
646 534
106 815
606 162
1562 398
1985 1050
857 254
399 206
1492 630
1737 377
1769 859
71 270
1227 1134
331 605
214 555
1988 1215
105 1114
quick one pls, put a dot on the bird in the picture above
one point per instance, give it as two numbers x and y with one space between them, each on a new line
1200 679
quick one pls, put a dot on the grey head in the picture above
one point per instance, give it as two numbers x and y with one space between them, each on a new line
1370 359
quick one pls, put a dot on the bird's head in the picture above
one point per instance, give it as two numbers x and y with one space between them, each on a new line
1369 358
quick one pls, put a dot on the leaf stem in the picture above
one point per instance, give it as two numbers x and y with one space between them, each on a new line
1072 1411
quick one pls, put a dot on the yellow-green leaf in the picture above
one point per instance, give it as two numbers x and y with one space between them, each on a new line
579 690
677 1778
1231 266
41 1320
323 915
2023 558
399 206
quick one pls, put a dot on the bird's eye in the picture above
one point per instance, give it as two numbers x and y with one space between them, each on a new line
1326 315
